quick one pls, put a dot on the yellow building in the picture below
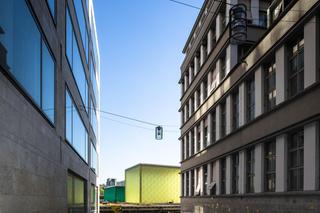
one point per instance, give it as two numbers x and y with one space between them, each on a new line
146 183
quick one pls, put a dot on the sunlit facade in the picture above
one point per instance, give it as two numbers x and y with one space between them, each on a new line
250 110
49 117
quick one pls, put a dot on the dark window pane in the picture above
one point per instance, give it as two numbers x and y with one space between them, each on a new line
48 83
20 54
82 24
69 109
94 157
76 132
20 37
69 38
94 80
79 74
79 135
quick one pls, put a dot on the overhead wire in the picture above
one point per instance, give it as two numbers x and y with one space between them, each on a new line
223 2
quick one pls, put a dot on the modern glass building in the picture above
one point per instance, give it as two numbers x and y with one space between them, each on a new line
49 106
250 109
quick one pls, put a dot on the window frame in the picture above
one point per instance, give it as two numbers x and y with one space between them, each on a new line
269 73
299 73
85 185
70 143
19 86
223 119
223 175
235 173
213 138
250 169
294 151
270 159
75 42
235 110
250 99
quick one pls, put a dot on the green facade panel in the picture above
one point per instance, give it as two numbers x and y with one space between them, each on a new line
114 194
152 184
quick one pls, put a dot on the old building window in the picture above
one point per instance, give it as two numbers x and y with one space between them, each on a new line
212 184
205 89
187 146
192 104
295 161
205 179
250 102
198 98
205 133
199 182
182 149
235 173
187 111
222 67
250 170
270 166
235 109
296 68
192 142
223 176
213 127
198 137
192 183
269 86
187 183
222 119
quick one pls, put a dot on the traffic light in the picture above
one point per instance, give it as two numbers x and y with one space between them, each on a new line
159 133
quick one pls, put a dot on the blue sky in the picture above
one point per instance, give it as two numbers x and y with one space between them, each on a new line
141 44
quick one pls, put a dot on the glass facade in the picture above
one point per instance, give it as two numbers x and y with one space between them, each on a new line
35 72
93 198
76 194
94 158
76 133
75 62
94 121
94 80
82 25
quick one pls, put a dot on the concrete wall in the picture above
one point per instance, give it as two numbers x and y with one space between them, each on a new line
34 157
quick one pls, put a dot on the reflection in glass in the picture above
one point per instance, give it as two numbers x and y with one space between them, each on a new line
47 83
76 133
20 54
